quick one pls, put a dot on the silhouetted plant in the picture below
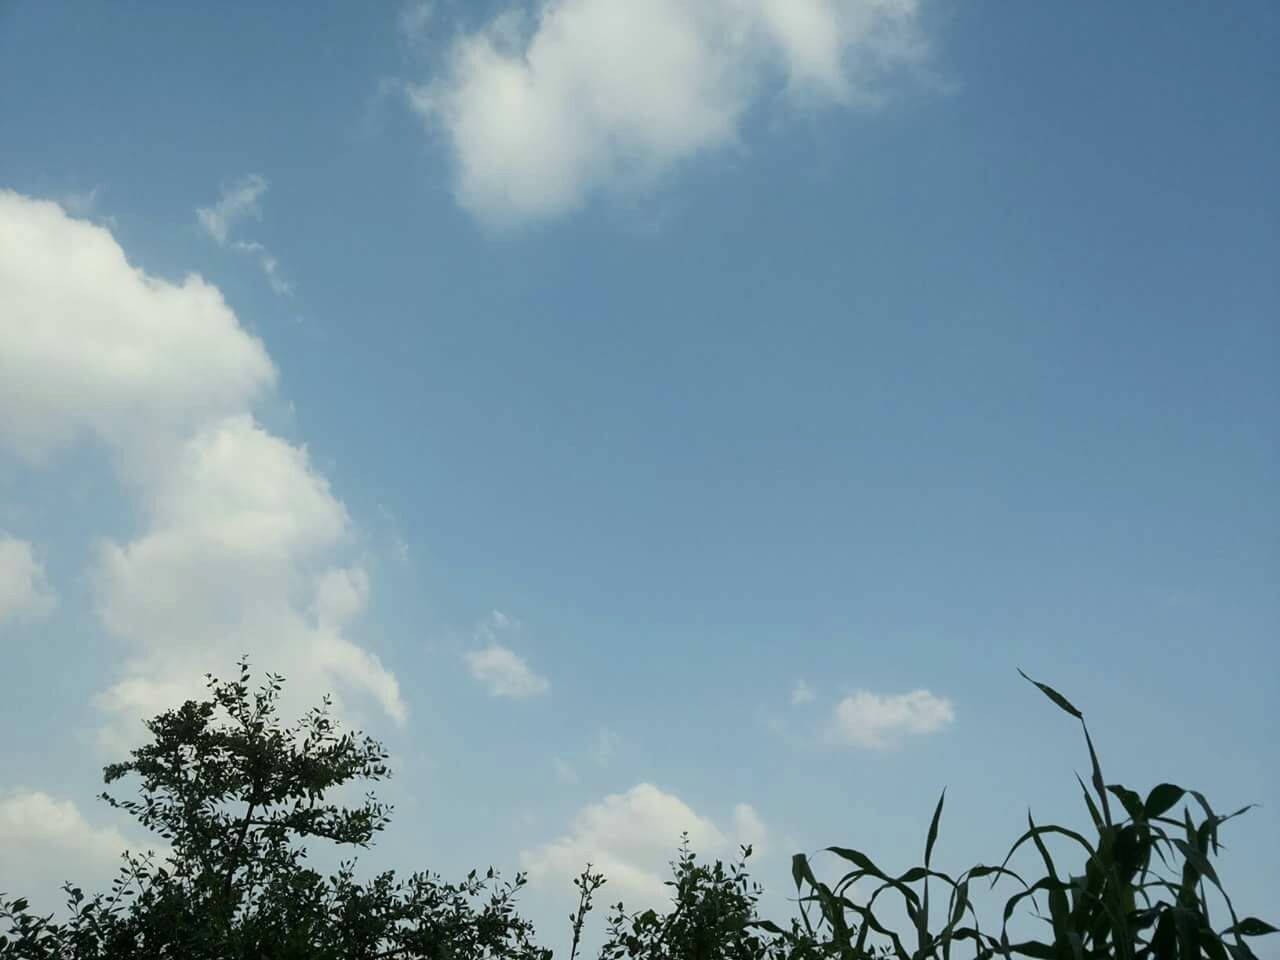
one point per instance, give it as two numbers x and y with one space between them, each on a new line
1119 906
235 796
712 917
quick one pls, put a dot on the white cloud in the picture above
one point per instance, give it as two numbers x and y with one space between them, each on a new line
94 346
497 666
240 202
341 595
24 589
505 672
801 693
879 721
241 543
47 841
631 838
748 828
542 112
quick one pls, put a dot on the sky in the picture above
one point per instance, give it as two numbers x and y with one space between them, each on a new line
647 417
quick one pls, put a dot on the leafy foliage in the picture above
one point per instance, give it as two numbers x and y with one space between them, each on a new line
712 917
236 797
1119 906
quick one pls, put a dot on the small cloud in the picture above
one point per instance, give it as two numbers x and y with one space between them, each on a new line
606 746
500 668
801 693
505 673
24 589
497 624
564 770
238 203
269 264
876 721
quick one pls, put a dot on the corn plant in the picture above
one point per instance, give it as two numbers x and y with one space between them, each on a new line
1120 904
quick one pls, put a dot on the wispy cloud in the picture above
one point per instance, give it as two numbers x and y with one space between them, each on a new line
565 772
414 20
877 721
24 589
801 693
240 202
606 745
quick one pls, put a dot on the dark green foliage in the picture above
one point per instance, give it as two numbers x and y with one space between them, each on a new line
1119 906
712 917
236 797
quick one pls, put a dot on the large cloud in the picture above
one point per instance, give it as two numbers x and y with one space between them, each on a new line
47 841
543 111
632 837
243 544
92 344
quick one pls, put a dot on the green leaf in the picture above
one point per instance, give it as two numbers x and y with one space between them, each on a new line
1130 800
1161 799
1034 948
1196 859
1094 815
1055 696
933 829
1253 927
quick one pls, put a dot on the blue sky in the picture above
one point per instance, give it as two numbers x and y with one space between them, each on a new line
647 417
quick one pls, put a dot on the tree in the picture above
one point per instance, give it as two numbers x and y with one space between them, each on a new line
236 796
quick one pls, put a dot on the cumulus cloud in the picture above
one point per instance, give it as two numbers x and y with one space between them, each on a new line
241 540
47 841
24 589
503 671
632 837
877 721
240 202
543 111
94 347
